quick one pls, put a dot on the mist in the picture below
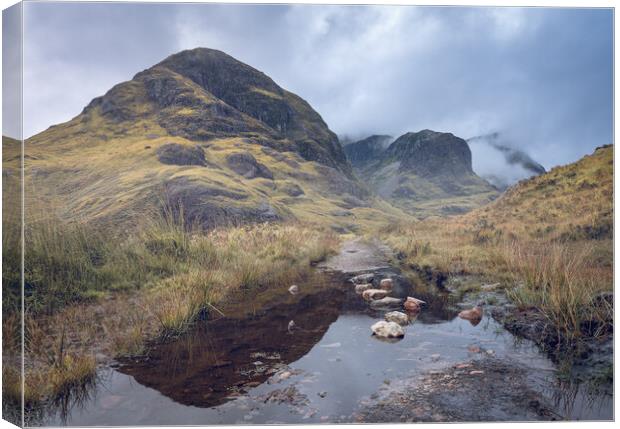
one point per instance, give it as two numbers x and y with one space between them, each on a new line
542 76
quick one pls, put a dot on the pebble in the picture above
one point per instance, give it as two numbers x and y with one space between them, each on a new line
476 372
435 357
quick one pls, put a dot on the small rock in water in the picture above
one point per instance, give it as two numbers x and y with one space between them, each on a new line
490 352
463 365
474 315
285 375
476 372
331 346
473 349
386 284
411 306
435 357
291 326
386 302
294 290
363 278
387 329
397 317
374 294
322 394
363 287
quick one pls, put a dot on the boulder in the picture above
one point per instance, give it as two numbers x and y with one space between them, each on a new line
363 278
386 284
387 330
363 287
397 317
388 302
373 294
474 315
247 166
413 305
178 154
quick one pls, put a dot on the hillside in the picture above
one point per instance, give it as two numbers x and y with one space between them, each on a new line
572 202
424 173
548 241
205 130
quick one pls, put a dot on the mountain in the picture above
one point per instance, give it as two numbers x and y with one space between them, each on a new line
365 151
424 173
204 130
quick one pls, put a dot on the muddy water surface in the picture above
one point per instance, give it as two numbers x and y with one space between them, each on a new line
322 367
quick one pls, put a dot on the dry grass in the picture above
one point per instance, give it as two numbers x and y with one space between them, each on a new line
90 294
562 282
549 238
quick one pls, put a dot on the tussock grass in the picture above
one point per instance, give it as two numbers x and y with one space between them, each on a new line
549 239
89 291
562 282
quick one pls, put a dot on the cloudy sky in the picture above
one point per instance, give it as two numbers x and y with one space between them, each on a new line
541 77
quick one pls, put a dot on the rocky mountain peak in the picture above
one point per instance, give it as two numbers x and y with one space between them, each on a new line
201 94
430 153
368 150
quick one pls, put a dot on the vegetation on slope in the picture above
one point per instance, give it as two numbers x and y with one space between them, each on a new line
549 239
88 293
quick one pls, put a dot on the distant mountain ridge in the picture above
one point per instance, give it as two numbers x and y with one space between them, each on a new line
421 172
365 151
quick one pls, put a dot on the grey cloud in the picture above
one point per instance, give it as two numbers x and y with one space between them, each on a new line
540 76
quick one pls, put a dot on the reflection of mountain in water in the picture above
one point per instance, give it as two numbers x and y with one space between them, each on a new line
225 356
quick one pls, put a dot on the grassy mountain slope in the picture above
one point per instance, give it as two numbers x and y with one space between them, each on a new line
206 130
548 239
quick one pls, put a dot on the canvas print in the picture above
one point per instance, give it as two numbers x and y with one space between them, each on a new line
306 214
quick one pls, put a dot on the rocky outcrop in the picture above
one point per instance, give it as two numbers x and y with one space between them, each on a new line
177 154
247 166
366 151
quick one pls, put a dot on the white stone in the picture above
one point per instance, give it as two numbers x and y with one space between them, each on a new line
387 329
397 317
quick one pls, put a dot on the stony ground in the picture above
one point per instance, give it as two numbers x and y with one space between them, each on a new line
481 390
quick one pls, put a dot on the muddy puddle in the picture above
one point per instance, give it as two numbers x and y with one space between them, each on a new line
310 358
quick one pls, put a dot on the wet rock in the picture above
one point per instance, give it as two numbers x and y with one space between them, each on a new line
397 317
435 357
412 305
363 287
387 302
474 315
374 294
476 372
363 278
386 284
473 349
291 326
387 329
293 290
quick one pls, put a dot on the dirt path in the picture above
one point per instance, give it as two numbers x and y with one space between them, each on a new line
359 255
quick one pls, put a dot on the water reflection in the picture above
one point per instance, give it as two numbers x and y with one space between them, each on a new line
225 357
